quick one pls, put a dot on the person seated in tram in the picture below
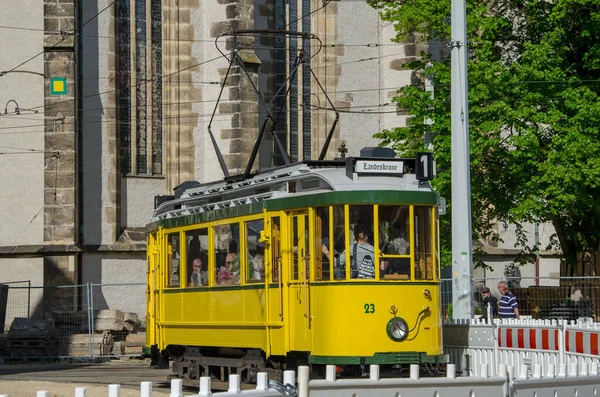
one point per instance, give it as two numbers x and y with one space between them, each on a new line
257 264
362 255
198 277
398 245
230 272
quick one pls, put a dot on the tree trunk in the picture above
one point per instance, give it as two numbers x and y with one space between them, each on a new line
567 246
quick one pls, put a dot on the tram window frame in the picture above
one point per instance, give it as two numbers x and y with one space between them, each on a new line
361 222
253 259
321 245
424 250
275 249
224 276
338 245
171 269
298 271
202 253
394 241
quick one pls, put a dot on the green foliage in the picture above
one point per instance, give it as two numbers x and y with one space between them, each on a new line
534 72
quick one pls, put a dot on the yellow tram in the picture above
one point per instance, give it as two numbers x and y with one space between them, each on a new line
329 262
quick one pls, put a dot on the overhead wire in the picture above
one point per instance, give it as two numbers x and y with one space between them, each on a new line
66 35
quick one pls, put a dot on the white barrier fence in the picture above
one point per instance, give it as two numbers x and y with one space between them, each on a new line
522 342
560 381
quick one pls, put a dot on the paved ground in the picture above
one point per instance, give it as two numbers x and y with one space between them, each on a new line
62 378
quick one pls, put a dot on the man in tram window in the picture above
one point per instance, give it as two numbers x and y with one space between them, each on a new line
362 255
198 277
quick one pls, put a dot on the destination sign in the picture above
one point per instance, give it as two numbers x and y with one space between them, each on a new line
379 167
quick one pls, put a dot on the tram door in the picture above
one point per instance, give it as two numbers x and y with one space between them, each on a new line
152 289
300 328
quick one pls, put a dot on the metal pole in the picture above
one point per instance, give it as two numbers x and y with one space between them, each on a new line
462 248
28 299
429 88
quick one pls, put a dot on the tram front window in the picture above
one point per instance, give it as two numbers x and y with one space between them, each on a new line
362 252
394 241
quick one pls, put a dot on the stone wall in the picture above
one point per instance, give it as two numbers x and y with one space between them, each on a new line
60 197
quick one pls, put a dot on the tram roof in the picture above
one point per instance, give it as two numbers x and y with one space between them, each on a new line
353 174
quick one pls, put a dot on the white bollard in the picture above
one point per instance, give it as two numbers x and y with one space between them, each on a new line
451 371
414 371
551 371
483 371
146 389
262 381
289 378
524 372
594 368
511 373
562 370
374 372
41 393
303 379
205 387
80 392
176 388
114 390
234 384
502 370
573 370
330 373
537 371
583 369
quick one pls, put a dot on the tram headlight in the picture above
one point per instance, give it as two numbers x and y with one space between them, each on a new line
397 329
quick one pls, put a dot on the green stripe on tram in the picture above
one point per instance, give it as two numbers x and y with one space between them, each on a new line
353 197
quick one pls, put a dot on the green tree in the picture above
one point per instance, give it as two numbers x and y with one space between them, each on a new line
534 112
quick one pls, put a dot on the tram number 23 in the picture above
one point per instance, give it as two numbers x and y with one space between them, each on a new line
369 308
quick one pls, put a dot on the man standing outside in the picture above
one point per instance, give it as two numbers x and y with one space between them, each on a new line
508 306
489 301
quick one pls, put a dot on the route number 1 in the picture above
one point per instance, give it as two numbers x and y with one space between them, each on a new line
424 166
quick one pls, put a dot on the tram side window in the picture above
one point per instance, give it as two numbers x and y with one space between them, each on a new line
424 252
394 241
322 244
339 242
362 251
197 257
255 251
276 249
173 260
227 254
